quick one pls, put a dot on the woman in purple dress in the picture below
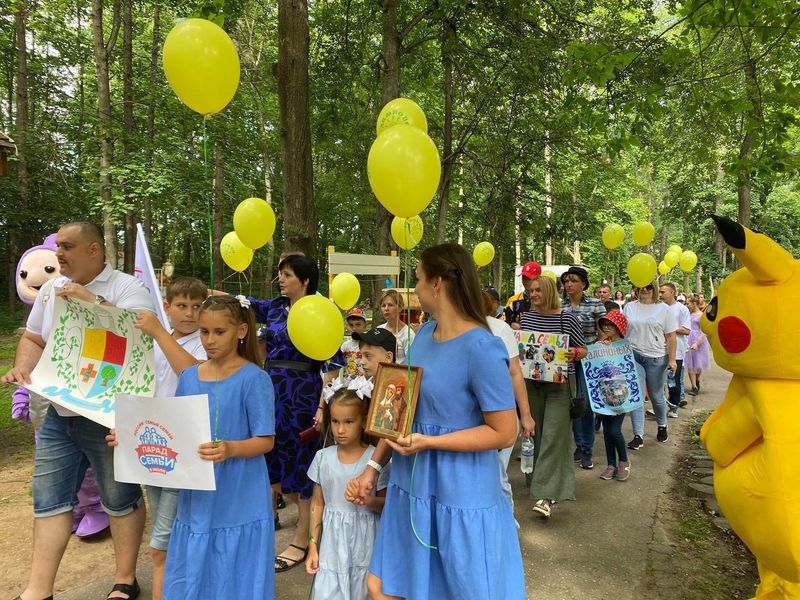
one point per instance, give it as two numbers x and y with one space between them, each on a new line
298 386
696 359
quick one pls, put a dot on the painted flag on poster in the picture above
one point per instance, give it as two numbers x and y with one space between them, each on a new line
158 439
93 353
143 271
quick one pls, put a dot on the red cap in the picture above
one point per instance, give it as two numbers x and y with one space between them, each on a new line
619 320
356 312
531 270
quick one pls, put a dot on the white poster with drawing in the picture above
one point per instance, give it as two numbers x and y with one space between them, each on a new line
93 353
158 440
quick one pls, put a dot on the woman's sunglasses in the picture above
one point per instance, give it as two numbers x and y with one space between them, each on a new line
647 288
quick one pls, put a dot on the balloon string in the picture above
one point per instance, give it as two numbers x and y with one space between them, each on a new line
408 398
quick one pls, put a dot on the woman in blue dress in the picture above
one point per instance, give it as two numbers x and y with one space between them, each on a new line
447 530
298 386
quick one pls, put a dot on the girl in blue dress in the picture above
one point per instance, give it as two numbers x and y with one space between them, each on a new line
342 534
216 532
447 530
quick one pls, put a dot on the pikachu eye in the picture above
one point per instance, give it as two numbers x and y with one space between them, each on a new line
711 310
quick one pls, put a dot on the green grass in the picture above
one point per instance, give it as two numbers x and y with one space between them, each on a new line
15 435
695 528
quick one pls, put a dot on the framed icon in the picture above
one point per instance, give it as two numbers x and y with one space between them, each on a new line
394 400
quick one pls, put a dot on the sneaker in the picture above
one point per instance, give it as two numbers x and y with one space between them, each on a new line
586 461
623 471
608 473
693 391
636 443
543 507
673 412
662 436
649 412
683 403
577 455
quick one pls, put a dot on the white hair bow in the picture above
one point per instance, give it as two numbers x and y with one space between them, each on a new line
329 390
243 301
362 387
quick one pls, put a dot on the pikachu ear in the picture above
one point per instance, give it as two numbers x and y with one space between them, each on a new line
766 260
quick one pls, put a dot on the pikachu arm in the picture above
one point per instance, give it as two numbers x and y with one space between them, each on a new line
732 427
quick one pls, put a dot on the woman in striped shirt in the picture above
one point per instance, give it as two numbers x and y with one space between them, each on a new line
553 477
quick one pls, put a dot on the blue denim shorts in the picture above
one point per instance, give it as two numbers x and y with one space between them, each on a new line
163 506
66 447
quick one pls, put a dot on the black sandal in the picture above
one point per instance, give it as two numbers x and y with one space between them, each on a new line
131 589
283 562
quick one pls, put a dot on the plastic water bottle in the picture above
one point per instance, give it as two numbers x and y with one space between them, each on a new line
527 456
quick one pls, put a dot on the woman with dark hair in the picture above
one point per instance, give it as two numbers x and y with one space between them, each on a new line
444 485
298 386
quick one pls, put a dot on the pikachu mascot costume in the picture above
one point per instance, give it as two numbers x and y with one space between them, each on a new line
753 437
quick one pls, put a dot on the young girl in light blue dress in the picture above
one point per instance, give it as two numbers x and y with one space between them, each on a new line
342 533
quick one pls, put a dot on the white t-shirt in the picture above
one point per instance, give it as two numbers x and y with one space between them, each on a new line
404 337
166 378
647 326
682 319
119 289
502 330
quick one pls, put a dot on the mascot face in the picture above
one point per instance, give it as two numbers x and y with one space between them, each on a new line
37 266
753 323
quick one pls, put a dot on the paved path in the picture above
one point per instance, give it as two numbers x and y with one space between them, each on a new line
594 548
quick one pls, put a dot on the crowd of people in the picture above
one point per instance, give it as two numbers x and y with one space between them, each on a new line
414 516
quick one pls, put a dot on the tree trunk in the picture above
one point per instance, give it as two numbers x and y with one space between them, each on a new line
127 121
219 209
448 35
102 52
299 219
151 111
548 200
744 175
17 217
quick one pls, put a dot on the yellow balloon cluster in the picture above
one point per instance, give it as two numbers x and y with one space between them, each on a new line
235 254
201 65
483 254
407 233
345 290
676 249
315 327
254 222
613 236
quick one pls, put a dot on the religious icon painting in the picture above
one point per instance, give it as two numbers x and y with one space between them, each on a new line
394 400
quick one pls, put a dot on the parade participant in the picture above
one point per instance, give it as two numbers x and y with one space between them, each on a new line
464 414
342 534
612 328
651 332
215 530
619 298
697 357
298 387
391 305
576 281
553 477
603 292
175 351
667 292
519 303
68 443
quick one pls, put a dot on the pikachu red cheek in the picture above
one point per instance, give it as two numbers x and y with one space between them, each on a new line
734 335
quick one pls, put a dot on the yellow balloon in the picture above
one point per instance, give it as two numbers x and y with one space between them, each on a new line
201 65
550 274
643 233
483 254
254 222
641 269
672 258
613 236
663 268
407 233
345 290
401 111
235 254
688 261
676 249
315 327
404 169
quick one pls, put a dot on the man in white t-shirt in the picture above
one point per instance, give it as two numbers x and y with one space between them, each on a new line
68 443
668 294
